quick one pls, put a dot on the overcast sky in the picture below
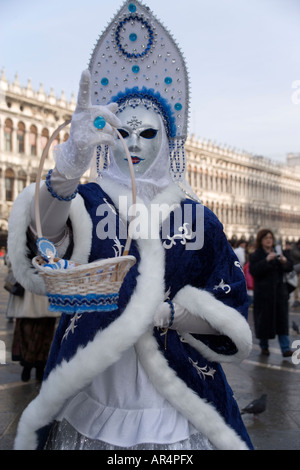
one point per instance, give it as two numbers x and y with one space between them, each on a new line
243 58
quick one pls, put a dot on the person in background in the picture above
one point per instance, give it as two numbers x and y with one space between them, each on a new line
2 257
270 304
240 251
295 257
33 331
248 276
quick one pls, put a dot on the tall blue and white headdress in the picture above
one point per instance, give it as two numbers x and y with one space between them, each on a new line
137 61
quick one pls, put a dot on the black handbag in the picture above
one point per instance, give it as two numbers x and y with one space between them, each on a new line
12 286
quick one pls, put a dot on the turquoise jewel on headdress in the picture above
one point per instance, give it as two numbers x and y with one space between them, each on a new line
132 7
133 37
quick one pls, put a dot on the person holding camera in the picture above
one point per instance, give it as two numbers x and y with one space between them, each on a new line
270 306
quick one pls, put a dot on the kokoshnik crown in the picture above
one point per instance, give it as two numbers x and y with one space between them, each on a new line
137 61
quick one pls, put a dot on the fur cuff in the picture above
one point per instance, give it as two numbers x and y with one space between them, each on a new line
226 320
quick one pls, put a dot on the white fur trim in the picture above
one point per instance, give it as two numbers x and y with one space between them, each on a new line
224 319
106 348
19 221
200 413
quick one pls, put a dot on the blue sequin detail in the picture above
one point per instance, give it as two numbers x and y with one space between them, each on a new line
119 30
178 106
168 80
71 304
53 193
133 37
135 69
152 95
132 7
99 122
172 313
104 81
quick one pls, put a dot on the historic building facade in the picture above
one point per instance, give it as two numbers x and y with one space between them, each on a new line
246 192
27 120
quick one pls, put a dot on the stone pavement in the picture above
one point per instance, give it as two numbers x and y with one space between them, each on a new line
278 428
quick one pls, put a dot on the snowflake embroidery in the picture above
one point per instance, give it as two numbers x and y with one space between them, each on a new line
203 371
72 325
185 234
134 123
225 287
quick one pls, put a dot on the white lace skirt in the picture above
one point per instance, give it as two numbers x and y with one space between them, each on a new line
64 437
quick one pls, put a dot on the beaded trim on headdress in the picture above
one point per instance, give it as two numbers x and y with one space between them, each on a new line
136 61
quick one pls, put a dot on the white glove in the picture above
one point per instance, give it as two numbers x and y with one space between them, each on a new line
184 321
74 156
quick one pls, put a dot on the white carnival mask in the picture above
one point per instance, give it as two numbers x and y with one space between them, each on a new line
142 132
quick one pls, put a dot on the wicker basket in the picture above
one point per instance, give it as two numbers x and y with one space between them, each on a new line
89 287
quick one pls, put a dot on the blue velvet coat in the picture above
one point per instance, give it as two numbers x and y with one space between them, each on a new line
203 268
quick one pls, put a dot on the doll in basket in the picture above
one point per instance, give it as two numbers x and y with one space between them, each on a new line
145 374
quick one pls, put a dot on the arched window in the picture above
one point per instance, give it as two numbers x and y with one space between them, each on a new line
33 140
21 137
8 129
9 184
22 177
32 177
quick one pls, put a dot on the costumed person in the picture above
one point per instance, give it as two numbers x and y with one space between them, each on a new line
146 373
271 296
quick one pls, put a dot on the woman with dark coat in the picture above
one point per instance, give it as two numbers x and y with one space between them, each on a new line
270 306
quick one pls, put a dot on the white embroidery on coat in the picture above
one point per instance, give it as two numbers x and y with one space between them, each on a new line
185 235
72 325
225 287
238 265
118 249
203 371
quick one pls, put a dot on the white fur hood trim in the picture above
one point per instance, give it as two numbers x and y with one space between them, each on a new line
19 221
171 195
225 319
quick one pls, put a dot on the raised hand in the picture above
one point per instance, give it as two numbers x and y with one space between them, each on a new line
73 157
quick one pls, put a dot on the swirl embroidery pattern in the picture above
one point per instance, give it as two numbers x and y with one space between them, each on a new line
184 234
